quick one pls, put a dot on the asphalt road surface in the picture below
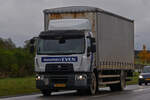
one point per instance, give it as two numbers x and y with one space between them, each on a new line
132 92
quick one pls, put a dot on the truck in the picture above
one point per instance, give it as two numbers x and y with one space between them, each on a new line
83 48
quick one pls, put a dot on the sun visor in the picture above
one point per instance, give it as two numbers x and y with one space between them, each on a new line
69 24
62 34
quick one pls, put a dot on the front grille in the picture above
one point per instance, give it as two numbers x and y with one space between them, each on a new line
60 78
53 68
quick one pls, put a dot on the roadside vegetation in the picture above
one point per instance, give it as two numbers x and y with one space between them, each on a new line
16 69
15 62
134 79
17 86
143 57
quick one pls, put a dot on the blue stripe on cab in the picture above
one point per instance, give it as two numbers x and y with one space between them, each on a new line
59 59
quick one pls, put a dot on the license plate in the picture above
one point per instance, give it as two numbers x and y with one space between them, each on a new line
148 79
59 85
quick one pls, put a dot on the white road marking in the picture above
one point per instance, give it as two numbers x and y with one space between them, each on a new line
101 95
63 92
139 90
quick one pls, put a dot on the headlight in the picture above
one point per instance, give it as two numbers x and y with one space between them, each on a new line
140 76
39 77
80 76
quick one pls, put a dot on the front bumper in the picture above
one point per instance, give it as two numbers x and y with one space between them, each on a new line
69 80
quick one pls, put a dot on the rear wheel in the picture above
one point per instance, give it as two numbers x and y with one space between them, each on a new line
120 86
146 83
46 92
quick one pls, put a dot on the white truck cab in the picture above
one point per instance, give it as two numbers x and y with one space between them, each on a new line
66 50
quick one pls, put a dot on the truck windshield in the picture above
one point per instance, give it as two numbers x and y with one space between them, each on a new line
61 46
146 70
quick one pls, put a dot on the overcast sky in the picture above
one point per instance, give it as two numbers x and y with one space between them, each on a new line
22 19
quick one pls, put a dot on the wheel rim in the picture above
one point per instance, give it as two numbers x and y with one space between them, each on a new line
93 85
122 81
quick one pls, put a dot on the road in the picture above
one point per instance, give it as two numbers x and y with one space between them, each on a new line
132 92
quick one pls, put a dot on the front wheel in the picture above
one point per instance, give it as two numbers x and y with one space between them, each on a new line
46 92
93 85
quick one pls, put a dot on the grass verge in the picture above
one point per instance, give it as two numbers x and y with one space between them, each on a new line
134 79
16 86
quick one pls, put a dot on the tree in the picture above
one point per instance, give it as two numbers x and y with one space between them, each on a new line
15 62
7 43
144 55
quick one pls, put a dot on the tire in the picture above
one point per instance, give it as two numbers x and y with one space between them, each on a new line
119 86
122 84
46 92
93 86
114 87
81 92
146 83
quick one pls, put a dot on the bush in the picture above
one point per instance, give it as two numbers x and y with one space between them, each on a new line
15 63
14 70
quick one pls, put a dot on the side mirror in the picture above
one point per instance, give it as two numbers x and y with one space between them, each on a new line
88 51
32 41
93 48
32 49
32 45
